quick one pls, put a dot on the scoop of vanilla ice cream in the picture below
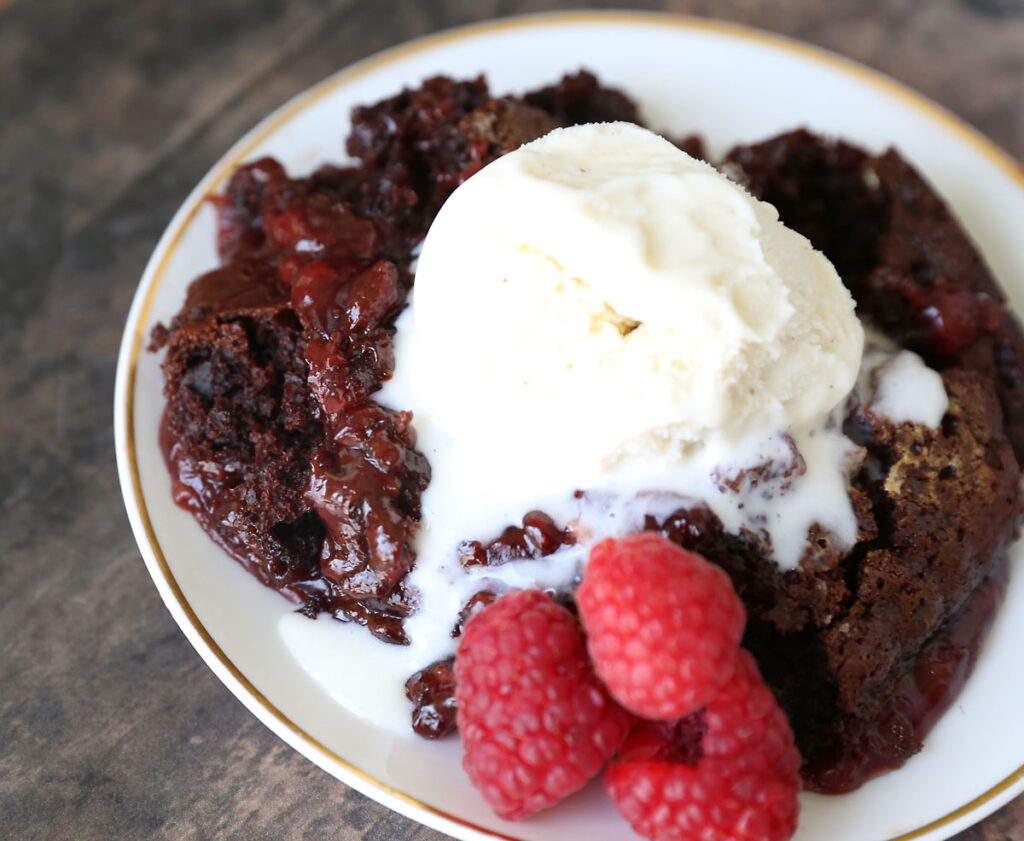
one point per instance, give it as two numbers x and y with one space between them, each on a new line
598 294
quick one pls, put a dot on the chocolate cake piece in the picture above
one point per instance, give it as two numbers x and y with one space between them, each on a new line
240 422
247 443
947 502
579 98
930 269
841 638
411 149
911 267
503 125
416 147
819 188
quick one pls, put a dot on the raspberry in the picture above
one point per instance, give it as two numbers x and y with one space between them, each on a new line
739 782
536 723
744 720
663 624
716 801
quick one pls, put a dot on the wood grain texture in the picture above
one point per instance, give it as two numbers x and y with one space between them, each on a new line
111 727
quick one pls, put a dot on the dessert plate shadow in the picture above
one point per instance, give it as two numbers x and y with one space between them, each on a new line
730 84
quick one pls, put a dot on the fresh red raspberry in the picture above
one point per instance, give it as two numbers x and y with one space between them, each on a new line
663 624
744 720
727 772
536 723
716 801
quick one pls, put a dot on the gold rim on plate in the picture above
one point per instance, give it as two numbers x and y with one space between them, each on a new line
303 101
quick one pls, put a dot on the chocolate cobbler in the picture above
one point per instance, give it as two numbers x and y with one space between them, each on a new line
275 443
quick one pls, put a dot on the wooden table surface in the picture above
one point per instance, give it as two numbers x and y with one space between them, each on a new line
111 727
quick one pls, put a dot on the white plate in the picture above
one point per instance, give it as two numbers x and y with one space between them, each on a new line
732 85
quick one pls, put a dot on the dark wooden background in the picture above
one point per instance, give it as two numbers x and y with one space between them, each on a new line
111 727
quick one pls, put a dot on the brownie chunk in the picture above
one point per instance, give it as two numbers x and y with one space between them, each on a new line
819 188
946 503
502 126
912 269
947 507
240 422
580 98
